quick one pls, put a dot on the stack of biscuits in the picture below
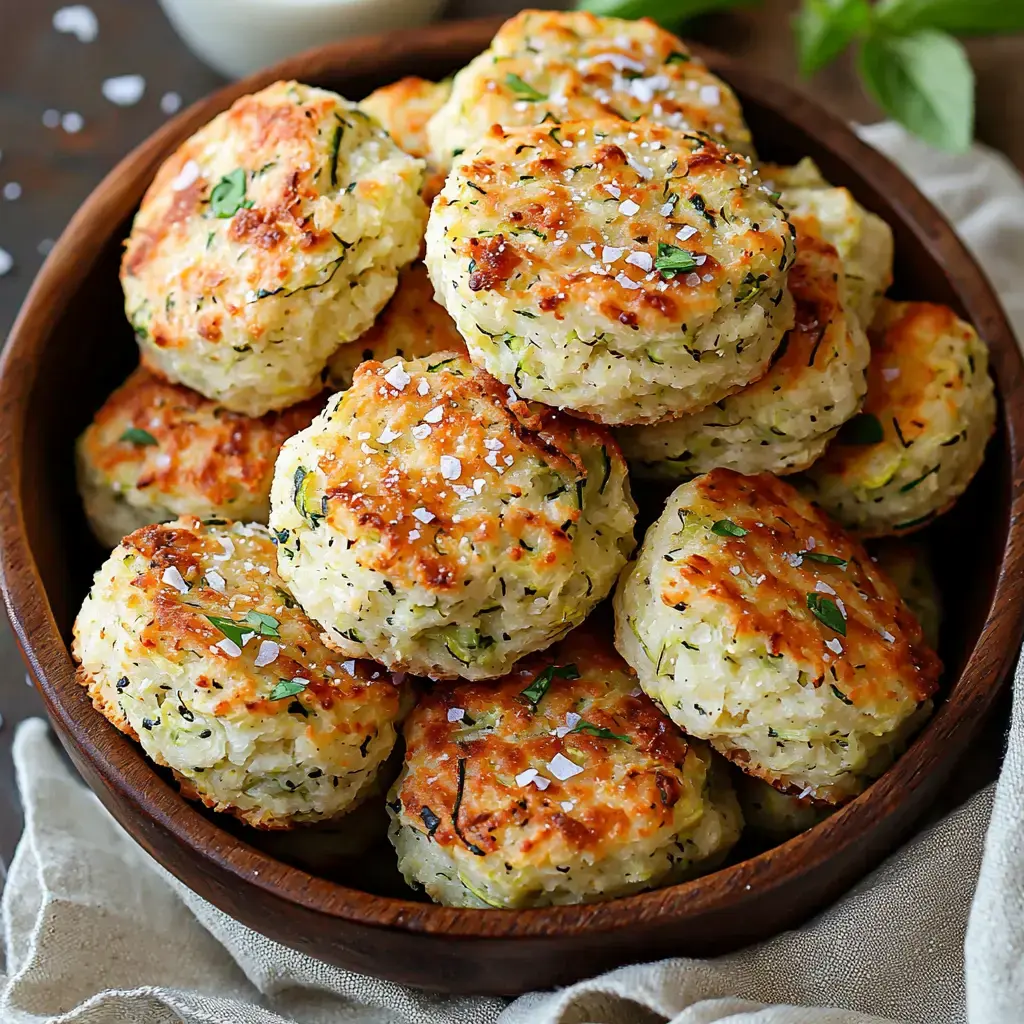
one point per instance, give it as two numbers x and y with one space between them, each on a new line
369 490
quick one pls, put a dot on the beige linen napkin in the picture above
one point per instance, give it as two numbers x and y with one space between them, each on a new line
96 933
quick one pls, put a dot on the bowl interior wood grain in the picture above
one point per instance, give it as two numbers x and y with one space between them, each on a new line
72 345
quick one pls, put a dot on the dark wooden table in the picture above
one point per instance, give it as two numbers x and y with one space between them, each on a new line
42 71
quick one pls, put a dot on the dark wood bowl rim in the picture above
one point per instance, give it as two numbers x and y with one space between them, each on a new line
45 652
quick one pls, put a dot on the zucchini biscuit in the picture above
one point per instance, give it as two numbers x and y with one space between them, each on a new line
404 108
558 783
863 240
784 421
627 272
556 66
156 451
908 564
413 324
761 627
189 643
929 412
270 237
434 522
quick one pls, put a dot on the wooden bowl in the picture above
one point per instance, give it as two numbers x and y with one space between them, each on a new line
71 345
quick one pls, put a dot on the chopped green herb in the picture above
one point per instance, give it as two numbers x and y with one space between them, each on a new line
333 158
727 528
522 89
534 693
600 733
842 696
825 610
233 630
289 601
820 556
459 790
675 57
138 436
287 688
920 479
228 195
263 624
671 260
863 428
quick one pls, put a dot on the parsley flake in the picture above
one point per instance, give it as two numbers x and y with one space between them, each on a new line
287 688
600 732
228 195
522 89
825 610
671 260
534 693
138 436
727 528
820 556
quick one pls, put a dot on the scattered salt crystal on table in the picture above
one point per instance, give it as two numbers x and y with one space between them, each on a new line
12 191
51 118
6 262
77 20
72 122
170 103
124 90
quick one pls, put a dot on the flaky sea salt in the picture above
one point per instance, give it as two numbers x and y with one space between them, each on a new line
562 768
397 377
173 578
267 654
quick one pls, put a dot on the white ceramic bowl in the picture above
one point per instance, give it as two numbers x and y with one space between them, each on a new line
238 37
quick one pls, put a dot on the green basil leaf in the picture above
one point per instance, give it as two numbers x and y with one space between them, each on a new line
600 732
824 28
138 436
534 693
522 89
727 528
665 12
925 82
842 696
864 428
228 195
820 556
826 611
287 688
959 17
671 260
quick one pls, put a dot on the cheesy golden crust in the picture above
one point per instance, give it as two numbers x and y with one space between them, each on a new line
189 642
156 451
928 414
545 66
432 521
626 272
412 325
267 239
764 628
404 108
558 783
782 422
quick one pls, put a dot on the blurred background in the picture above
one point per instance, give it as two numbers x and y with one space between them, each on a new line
81 85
